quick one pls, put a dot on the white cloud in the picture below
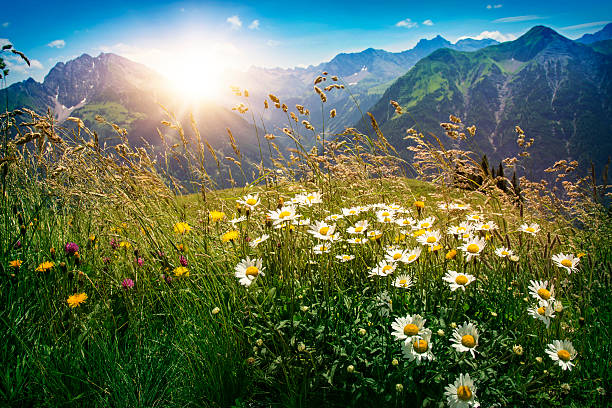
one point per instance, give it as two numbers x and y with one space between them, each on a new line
16 64
4 41
5 24
517 19
57 44
494 6
495 35
254 25
585 25
273 43
428 22
406 23
235 22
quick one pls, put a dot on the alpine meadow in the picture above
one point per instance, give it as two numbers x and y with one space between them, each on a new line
204 214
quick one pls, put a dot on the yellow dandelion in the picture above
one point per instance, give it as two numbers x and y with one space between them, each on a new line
15 264
125 244
230 236
451 254
419 204
181 228
76 299
45 266
216 216
181 271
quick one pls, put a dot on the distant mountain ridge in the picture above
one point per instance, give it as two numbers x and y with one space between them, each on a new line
556 89
601 35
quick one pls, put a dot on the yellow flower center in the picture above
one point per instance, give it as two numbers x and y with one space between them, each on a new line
397 256
251 271
386 214
464 393
419 204
530 229
346 257
387 268
405 222
461 229
323 248
324 230
251 201
420 346
431 240
311 197
567 263
541 310
468 341
461 280
544 293
425 225
411 330
504 253
412 257
284 214
473 248
403 282
475 217
486 226
564 355
358 229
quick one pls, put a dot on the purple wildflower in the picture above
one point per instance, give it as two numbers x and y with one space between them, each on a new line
182 260
139 261
127 283
71 248
114 244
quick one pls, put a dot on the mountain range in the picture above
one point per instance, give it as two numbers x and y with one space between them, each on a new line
557 90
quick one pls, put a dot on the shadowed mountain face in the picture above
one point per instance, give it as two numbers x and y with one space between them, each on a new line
556 89
367 74
602 35
131 95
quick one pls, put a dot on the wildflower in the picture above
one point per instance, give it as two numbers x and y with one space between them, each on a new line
459 206
395 254
15 264
538 290
304 308
114 244
403 281
345 258
530 229
258 240
394 362
127 283
563 352
419 348
238 220
459 230
321 249
465 338
230 236
485 226
359 228
76 299
301 347
125 244
538 360
559 307
399 387
408 327
248 270
181 271
334 217
384 268
473 247
249 200
181 228
356 240
283 214
385 216
429 238
215 310
518 350
567 262
424 224
362 332
514 258
503 252
350 368
45 266
543 312
458 280
71 248
139 261
374 235
216 216
462 393
308 199
451 254
419 204
322 230
440 332
474 217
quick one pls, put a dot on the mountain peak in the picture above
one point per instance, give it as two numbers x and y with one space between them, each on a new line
534 41
601 35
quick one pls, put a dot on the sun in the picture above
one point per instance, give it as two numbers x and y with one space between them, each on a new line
197 72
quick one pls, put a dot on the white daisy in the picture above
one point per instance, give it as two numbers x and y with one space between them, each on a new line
463 228
258 240
357 241
458 280
459 206
359 228
235 221
383 268
250 200
563 352
248 270
539 291
345 258
429 238
465 338
486 226
413 255
334 217
403 281
395 254
352 211
405 222
503 252
308 199
385 216
419 348
568 262
530 229
396 207
543 311
374 234
301 222
283 214
321 248
405 328
473 247
462 393
424 224
322 230
474 217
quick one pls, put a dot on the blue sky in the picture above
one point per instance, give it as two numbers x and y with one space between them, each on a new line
239 34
